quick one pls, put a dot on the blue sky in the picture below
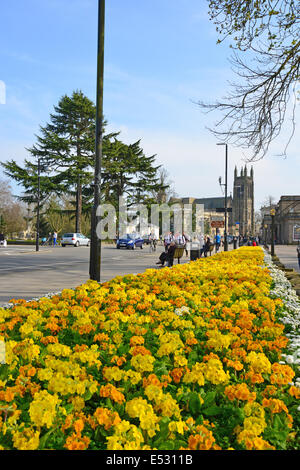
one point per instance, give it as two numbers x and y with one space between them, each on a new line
160 57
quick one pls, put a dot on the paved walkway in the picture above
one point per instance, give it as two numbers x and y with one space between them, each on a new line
287 255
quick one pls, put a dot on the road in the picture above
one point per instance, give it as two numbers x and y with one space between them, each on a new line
27 274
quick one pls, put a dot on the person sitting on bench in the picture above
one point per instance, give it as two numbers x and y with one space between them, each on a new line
168 256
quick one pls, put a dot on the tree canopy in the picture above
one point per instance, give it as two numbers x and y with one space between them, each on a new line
65 148
264 36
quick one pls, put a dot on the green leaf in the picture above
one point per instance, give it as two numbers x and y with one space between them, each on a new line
213 410
164 427
209 399
194 403
45 438
168 445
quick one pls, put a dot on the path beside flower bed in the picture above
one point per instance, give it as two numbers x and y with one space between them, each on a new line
193 357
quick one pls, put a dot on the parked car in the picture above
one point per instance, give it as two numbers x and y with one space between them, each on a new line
130 242
75 239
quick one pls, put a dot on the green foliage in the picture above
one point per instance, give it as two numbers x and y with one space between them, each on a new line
66 150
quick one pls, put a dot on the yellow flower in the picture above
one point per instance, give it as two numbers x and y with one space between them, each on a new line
134 377
214 372
42 409
177 426
27 439
142 363
153 392
259 362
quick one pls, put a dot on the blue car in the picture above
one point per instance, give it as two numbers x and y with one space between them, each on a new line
130 242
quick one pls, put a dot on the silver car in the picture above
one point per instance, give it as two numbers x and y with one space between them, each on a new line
75 239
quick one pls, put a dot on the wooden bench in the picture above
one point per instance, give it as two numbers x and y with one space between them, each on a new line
179 253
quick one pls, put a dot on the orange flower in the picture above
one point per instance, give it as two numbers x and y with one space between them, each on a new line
107 418
140 350
78 426
136 341
112 392
294 392
152 380
269 391
77 442
118 360
239 392
282 374
49 340
176 374
275 405
101 337
202 441
254 377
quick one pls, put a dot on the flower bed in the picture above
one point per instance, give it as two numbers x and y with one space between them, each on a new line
192 357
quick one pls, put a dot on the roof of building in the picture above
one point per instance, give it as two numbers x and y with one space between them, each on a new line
210 203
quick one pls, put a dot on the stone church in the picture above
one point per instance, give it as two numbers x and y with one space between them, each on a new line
243 202
240 206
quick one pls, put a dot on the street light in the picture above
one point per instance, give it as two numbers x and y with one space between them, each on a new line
272 213
37 239
95 250
226 168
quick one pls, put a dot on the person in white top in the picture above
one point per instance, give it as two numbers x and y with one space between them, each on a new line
167 240
179 239
54 238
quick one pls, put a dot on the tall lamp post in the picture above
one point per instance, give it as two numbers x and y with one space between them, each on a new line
226 169
272 212
37 240
95 250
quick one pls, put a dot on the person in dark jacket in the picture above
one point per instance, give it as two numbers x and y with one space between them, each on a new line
235 243
168 256
207 246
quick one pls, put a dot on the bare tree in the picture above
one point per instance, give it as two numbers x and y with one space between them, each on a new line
167 189
266 34
12 213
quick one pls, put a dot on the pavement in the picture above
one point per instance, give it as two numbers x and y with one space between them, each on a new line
287 255
27 274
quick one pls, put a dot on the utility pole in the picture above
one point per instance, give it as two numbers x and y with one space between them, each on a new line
37 240
95 250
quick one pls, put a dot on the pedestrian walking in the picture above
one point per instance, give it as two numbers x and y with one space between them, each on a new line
235 243
153 242
187 240
54 238
218 242
207 247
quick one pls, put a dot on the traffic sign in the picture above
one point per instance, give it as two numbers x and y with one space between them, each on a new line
217 224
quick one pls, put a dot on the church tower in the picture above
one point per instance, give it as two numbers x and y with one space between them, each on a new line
243 201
